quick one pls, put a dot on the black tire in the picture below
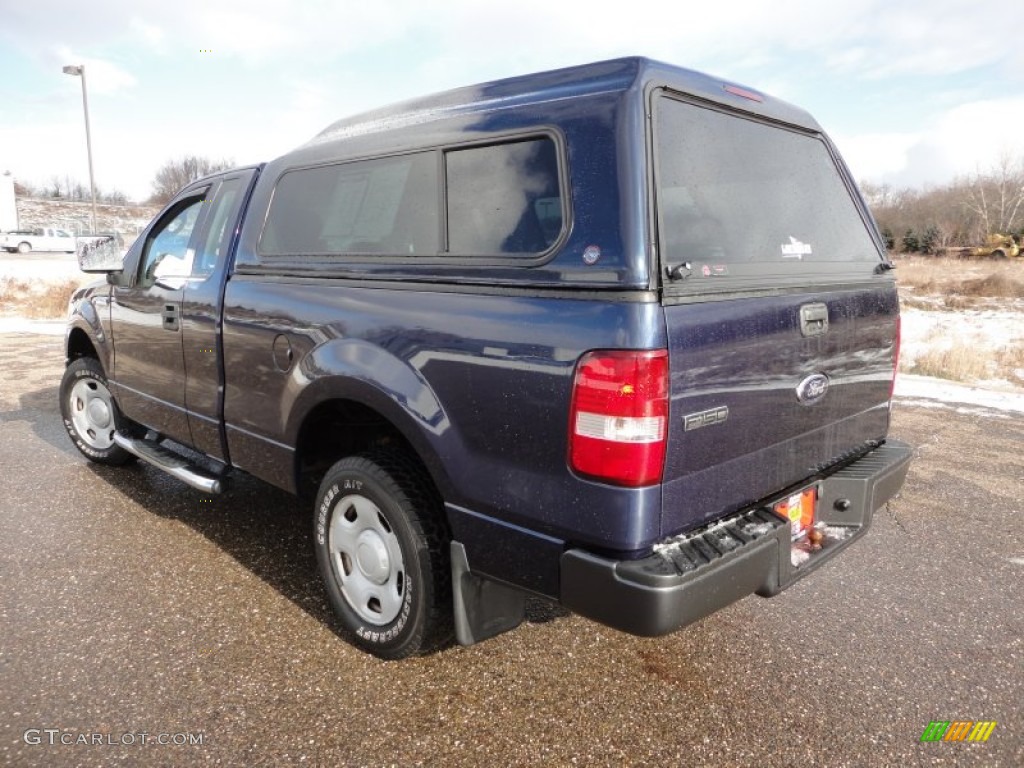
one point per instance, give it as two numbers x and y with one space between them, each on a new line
24 247
90 414
383 552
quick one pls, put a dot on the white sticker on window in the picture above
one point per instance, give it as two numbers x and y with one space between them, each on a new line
794 249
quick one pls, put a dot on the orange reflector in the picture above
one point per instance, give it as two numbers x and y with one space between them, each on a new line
798 509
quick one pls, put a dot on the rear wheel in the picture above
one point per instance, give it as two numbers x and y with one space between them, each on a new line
383 553
90 414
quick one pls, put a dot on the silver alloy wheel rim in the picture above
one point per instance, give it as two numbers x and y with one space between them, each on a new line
367 560
92 413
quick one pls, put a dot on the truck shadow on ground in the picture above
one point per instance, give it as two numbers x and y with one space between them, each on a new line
40 410
266 530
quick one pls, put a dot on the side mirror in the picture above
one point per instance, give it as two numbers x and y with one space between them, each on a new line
99 255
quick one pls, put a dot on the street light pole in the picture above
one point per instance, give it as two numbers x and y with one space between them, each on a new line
79 71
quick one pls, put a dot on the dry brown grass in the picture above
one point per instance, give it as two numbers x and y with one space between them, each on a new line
946 284
1010 360
45 302
10 287
961 362
998 285
970 363
937 283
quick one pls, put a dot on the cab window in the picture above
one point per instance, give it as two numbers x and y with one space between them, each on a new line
167 252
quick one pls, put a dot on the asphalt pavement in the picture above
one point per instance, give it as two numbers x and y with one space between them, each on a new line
142 623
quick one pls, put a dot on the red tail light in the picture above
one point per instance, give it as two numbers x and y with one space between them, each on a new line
896 356
618 424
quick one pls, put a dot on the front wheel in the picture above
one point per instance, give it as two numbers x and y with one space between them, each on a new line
90 414
24 247
382 549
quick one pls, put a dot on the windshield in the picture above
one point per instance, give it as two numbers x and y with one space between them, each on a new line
739 196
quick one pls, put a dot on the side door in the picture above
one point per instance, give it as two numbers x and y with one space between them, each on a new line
201 312
145 318
63 241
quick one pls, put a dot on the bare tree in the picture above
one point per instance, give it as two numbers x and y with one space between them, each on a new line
115 197
997 198
175 174
961 213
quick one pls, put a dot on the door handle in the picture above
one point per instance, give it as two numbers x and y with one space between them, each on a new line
170 317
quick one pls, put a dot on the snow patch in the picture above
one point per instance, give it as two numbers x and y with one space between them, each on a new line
38 327
930 392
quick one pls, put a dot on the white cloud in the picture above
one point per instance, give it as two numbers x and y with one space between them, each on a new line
858 37
65 141
963 140
150 33
281 72
873 156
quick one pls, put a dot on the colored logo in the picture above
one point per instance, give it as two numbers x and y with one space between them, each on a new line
958 730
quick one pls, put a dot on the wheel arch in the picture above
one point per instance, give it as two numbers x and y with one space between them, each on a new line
85 336
337 418
358 395
79 344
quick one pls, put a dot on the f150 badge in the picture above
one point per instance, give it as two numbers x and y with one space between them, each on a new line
706 418
812 389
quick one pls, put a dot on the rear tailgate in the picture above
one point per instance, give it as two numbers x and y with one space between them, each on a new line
782 328
741 426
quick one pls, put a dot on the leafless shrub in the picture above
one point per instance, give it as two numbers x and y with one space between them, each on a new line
958 284
969 363
50 301
1010 361
996 285
11 287
961 362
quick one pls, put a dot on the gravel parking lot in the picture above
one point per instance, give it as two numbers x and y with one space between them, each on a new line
131 604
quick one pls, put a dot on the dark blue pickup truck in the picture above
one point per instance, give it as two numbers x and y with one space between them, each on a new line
621 335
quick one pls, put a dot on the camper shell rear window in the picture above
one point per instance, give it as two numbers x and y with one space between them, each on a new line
737 195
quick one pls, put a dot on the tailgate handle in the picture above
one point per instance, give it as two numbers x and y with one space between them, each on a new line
813 319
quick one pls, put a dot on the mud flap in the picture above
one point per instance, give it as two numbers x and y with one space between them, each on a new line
483 608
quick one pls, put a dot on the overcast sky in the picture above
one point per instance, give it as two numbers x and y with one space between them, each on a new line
914 92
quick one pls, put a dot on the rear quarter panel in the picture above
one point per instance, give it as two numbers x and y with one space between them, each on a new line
479 383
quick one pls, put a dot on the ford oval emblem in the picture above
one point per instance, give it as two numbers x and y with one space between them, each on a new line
812 389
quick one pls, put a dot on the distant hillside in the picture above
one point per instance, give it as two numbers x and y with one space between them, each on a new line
76 217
